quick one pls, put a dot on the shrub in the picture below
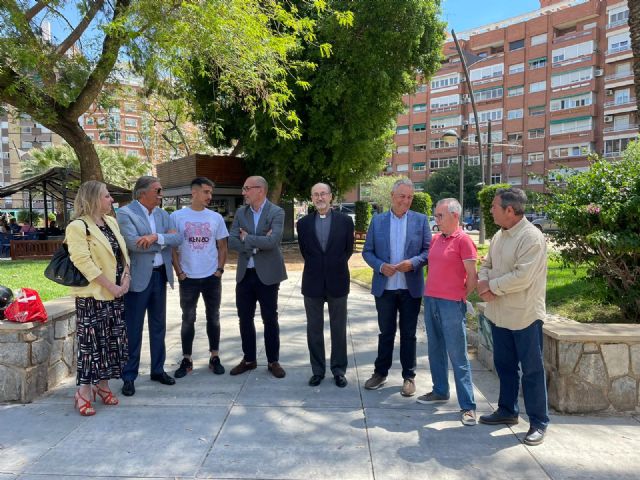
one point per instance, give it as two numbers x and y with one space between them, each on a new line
23 217
422 203
486 196
598 216
363 215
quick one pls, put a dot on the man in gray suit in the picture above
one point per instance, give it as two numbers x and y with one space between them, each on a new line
149 235
256 234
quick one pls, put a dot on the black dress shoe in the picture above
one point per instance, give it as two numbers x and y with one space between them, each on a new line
497 418
163 378
128 389
535 436
340 380
315 380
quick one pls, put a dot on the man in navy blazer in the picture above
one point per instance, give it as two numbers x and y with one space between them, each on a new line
396 249
325 238
149 235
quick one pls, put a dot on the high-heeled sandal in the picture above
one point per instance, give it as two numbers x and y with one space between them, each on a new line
107 396
83 405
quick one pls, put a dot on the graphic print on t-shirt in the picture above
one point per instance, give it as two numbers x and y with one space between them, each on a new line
197 235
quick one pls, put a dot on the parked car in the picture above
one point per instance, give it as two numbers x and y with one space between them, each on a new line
433 225
347 208
545 224
472 223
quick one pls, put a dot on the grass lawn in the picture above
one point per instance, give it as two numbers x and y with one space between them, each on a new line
16 274
569 293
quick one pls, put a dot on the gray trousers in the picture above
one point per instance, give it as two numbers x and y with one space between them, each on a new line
314 306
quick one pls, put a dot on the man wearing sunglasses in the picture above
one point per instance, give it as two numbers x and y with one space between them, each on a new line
149 234
255 234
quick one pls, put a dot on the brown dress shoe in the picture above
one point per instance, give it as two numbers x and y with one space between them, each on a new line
276 370
242 367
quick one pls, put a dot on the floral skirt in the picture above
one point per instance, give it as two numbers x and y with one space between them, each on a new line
103 348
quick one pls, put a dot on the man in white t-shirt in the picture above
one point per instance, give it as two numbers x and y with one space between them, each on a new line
199 264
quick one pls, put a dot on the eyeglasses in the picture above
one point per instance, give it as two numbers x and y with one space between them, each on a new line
158 191
439 215
320 194
246 188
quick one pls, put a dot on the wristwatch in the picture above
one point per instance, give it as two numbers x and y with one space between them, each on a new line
221 270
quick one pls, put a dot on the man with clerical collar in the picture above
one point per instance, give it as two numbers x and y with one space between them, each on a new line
325 238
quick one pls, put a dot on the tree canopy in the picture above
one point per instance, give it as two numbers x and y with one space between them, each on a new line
445 183
245 44
346 106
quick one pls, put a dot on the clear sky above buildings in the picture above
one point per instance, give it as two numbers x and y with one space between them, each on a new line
465 14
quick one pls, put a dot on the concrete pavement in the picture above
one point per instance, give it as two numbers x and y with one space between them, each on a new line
254 426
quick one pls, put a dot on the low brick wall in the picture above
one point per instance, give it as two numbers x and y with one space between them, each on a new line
590 367
35 357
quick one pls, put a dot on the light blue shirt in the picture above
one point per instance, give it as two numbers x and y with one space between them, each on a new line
157 259
398 237
256 219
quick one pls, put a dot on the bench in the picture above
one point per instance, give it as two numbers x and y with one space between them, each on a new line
33 249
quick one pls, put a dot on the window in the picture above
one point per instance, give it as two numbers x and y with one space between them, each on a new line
436 163
536 157
496 178
513 114
133 153
514 159
538 86
516 45
445 81
496 158
622 96
445 122
514 137
90 121
25 129
129 107
402 129
570 125
516 68
102 121
420 147
496 136
567 151
446 101
489 94
131 122
614 148
571 102
419 167
26 145
421 88
112 137
132 138
488 72
402 149
418 186
420 107
536 133
619 42
572 51
535 180
515 181
440 143
515 91
537 111
419 127
473 160
537 63
618 16
574 76
493 115
538 39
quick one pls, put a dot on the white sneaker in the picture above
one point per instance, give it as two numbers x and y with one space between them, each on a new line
468 417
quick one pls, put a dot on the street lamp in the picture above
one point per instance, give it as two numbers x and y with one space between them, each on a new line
451 136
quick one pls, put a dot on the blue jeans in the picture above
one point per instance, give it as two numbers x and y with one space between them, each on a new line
390 305
524 347
446 334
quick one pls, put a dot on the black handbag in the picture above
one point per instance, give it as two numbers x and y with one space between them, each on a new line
62 270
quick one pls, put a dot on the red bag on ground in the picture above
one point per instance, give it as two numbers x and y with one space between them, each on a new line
27 307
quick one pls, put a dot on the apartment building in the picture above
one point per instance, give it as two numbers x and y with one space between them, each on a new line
557 84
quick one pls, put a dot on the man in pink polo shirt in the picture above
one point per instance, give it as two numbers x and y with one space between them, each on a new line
452 276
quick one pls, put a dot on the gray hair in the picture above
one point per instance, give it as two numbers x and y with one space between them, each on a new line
402 181
453 205
512 197
142 185
261 182
323 184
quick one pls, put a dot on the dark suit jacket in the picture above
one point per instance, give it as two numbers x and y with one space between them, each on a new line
268 260
326 273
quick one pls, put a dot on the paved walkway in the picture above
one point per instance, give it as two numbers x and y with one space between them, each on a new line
255 426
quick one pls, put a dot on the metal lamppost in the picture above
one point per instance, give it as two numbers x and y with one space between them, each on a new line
450 136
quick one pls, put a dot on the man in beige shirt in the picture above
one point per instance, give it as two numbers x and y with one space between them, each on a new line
513 280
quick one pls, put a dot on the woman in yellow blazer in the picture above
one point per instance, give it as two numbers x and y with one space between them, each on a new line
103 259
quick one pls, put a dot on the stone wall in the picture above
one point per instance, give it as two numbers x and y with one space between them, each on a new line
35 357
590 367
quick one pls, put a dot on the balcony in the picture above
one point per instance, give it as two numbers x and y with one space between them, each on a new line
617 23
445 108
571 61
621 102
493 78
619 76
620 49
622 128
571 36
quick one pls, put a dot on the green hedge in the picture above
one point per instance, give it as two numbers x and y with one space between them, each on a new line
486 196
363 216
422 203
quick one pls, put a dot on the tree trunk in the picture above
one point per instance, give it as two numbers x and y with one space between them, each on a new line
75 136
275 192
634 27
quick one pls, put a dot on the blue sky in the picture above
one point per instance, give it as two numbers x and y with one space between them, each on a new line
465 14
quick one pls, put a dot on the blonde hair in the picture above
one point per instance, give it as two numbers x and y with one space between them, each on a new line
87 200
